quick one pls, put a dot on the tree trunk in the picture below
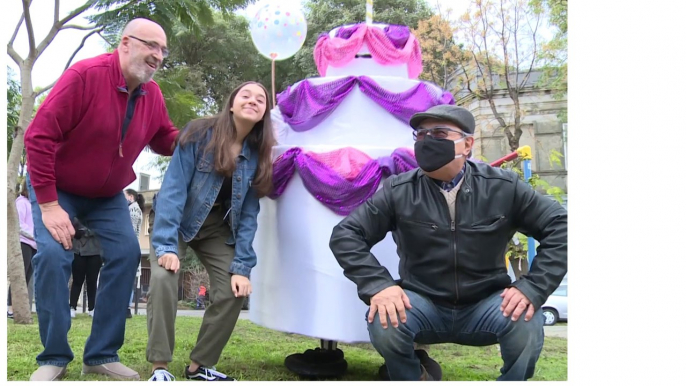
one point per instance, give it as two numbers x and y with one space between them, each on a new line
15 261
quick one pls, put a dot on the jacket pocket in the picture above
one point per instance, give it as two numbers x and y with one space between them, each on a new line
204 165
423 224
489 222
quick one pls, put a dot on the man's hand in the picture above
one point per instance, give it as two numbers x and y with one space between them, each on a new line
240 285
57 221
170 262
392 302
515 303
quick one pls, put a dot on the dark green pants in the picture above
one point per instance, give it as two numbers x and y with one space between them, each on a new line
220 317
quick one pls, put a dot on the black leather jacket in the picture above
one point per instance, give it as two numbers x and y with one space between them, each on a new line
459 262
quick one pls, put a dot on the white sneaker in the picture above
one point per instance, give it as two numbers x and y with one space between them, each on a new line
161 375
73 312
91 312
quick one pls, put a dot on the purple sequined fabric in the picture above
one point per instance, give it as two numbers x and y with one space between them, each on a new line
305 106
335 192
397 34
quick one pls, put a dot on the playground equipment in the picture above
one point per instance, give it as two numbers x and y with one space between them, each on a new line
524 153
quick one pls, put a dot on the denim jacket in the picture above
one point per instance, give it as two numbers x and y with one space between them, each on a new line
190 188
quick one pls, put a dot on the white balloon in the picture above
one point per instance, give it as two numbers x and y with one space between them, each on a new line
278 32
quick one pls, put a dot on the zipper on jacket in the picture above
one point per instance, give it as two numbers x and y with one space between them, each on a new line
454 234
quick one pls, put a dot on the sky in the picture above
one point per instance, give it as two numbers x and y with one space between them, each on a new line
51 64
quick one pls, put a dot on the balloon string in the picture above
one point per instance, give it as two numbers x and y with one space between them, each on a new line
273 83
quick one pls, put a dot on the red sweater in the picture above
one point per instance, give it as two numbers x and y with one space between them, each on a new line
73 143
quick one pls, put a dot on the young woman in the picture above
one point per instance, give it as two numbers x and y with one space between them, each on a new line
136 205
209 201
28 244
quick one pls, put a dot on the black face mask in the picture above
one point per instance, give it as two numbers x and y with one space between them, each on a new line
432 154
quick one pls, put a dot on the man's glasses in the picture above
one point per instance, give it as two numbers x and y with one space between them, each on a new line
153 46
435 132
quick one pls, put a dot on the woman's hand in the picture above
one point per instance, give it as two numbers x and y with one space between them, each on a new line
240 285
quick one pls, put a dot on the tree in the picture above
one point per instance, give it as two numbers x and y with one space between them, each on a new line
114 13
440 53
212 73
503 41
554 52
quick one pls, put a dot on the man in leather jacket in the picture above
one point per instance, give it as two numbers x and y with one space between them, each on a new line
452 220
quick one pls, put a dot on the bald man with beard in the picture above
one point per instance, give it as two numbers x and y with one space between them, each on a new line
81 147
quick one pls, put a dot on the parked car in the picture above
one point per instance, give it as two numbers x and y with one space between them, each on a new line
555 308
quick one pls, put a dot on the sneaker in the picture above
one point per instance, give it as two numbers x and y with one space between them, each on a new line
128 313
10 315
114 370
91 312
206 374
48 373
72 312
161 375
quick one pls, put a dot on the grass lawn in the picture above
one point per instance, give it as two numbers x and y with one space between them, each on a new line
257 354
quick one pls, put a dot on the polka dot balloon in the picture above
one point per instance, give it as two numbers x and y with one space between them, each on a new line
278 31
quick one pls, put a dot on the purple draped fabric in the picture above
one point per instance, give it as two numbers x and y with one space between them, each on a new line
397 34
305 106
328 187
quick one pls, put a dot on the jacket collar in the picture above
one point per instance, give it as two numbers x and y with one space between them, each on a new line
117 76
246 152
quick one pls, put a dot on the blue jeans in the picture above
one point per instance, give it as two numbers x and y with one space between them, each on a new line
109 219
481 324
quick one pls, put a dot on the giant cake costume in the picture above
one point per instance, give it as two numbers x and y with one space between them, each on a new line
339 136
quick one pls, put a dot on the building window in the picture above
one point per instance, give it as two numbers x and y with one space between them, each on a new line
144 182
145 225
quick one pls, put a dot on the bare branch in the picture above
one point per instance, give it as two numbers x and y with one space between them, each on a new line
535 53
16 30
76 12
29 28
73 55
57 26
506 42
56 17
79 27
83 41
40 91
14 55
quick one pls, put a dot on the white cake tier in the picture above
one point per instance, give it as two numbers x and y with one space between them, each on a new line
357 121
298 286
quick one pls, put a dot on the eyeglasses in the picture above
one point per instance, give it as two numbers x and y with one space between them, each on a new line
435 132
153 46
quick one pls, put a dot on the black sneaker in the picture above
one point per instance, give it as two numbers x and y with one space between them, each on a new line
128 313
10 315
206 374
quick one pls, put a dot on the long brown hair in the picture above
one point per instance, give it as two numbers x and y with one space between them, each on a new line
224 134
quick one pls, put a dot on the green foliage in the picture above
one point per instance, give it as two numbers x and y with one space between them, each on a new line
517 253
182 104
554 52
215 60
13 107
191 13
